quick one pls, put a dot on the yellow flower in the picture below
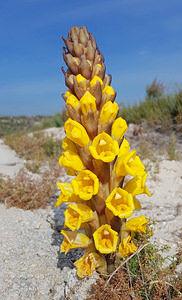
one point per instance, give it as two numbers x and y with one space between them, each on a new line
95 79
124 148
129 164
73 240
66 195
137 224
119 128
71 161
82 81
85 185
87 102
67 94
88 263
67 144
108 112
121 203
72 101
136 185
105 239
126 248
104 147
76 133
108 90
76 214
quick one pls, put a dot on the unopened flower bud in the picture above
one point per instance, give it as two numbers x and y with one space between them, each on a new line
73 102
84 36
76 133
87 102
78 49
85 67
108 112
82 81
119 128
95 79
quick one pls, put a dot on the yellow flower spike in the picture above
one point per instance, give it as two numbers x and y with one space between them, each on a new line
105 239
87 102
137 224
67 144
85 185
104 147
76 214
73 240
124 148
129 164
108 112
95 79
73 102
88 263
119 128
76 133
121 203
71 161
136 185
126 247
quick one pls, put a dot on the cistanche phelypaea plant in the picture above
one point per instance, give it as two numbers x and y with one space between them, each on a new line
97 155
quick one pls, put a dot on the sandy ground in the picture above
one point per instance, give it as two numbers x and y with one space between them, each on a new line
30 262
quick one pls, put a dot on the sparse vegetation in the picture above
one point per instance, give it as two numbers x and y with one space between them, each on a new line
35 149
10 124
157 108
142 275
27 193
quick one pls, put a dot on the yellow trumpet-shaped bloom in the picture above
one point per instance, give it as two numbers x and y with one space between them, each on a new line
76 133
66 195
124 148
87 103
136 185
85 185
67 144
88 263
129 164
108 112
104 147
119 128
73 240
105 239
71 161
95 79
76 214
72 101
121 203
137 224
126 247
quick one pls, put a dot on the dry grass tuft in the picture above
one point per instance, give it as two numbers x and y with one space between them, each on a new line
27 193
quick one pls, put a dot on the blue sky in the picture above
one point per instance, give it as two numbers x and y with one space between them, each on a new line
140 40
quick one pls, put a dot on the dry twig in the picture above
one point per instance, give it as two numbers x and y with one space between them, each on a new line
138 251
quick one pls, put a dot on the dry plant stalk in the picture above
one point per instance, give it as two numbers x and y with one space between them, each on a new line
99 157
